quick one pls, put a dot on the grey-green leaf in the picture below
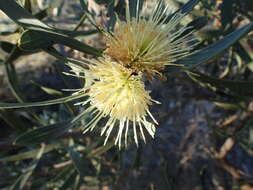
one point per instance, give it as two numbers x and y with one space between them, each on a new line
43 134
29 154
32 41
42 103
21 181
211 51
48 33
186 8
243 88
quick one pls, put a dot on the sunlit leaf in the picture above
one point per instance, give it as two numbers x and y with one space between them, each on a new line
227 105
48 90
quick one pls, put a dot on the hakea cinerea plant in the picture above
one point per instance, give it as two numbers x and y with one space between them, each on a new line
149 44
114 83
115 94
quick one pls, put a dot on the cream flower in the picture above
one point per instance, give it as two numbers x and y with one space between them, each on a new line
117 95
148 45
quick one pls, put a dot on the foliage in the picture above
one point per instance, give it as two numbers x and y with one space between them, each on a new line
44 148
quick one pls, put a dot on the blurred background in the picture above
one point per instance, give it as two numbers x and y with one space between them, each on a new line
204 140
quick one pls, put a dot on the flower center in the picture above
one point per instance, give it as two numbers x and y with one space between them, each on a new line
119 94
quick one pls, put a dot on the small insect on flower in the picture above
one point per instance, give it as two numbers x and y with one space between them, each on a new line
149 44
114 93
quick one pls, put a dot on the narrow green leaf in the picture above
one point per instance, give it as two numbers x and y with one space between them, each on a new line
25 19
84 4
47 90
28 6
43 103
32 41
21 181
14 120
53 52
69 181
21 16
13 79
11 74
29 154
244 53
186 8
135 7
41 14
243 88
43 134
211 51
71 42
197 24
216 48
112 12
47 133
227 13
82 33
227 105
6 46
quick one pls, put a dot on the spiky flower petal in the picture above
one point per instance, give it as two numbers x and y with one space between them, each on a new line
117 94
148 45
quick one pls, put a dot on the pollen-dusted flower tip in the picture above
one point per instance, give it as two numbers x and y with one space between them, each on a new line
117 95
149 44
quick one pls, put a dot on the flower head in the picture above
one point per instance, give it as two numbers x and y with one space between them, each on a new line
149 44
118 95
